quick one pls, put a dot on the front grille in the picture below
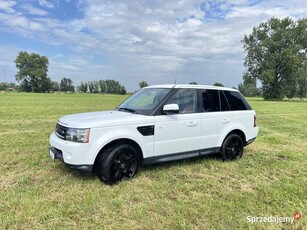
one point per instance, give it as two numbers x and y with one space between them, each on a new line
60 131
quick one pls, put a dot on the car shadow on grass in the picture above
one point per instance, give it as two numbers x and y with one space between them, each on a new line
91 177
182 162
65 170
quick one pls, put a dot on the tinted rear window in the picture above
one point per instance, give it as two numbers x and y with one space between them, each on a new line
236 101
211 101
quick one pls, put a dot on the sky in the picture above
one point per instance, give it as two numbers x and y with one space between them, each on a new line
158 41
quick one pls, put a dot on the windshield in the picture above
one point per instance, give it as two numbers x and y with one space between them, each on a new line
144 101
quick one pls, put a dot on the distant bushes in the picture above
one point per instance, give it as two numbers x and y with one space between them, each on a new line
102 86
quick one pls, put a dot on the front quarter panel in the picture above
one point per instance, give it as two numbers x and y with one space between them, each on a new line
100 137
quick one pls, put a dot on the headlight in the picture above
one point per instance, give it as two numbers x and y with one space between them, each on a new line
77 135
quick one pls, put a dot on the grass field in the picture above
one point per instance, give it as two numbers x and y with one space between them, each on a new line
204 193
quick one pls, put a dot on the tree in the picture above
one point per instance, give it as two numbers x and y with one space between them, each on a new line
66 84
3 86
32 73
114 87
55 86
249 87
122 90
82 87
94 86
44 84
25 86
103 86
302 82
218 84
143 84
302 87
274 55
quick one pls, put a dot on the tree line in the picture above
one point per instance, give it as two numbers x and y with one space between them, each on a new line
32 77
102 86
5 86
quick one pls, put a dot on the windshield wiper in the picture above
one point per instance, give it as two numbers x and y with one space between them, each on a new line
126 109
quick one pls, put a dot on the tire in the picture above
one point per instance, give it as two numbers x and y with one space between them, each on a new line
232 148
119 162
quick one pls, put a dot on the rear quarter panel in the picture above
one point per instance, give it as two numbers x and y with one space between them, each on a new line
244 120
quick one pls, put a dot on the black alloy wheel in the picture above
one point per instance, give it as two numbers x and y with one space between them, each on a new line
123 165
118 163
232 148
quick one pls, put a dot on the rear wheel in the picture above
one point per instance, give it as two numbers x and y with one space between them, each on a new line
117 163
232 148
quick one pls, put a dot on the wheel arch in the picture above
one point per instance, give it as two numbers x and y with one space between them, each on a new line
121 141
238 132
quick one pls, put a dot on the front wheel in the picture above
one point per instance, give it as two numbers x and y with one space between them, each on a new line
117 163
232 148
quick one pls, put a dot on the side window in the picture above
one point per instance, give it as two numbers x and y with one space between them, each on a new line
211 101
224 103
186 99
236 101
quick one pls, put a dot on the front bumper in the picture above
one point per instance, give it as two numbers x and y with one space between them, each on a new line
74 155
57 154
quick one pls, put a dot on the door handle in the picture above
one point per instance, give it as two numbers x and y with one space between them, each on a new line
225 121
192 123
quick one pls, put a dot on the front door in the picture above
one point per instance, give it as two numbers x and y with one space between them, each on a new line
179 135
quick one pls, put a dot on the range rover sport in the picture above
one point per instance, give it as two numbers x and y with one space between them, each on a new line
157 124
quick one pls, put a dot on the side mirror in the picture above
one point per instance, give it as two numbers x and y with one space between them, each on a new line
171 108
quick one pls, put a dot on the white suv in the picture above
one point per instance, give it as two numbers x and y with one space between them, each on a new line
157 124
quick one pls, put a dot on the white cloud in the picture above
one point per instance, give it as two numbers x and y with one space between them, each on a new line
21 24
46 4
7 6
34 11
257 12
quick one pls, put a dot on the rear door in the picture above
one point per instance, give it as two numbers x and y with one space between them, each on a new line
217 119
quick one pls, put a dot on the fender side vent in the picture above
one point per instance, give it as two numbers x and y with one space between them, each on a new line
147 130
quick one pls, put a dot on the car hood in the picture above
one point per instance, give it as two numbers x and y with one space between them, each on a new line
103 119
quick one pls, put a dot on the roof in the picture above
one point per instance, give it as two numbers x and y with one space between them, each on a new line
185 86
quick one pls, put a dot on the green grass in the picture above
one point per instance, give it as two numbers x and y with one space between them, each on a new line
204 193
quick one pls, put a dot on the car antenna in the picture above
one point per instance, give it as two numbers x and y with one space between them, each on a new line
176 75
